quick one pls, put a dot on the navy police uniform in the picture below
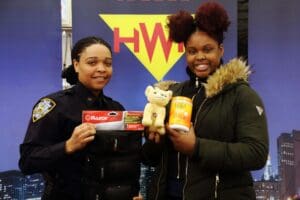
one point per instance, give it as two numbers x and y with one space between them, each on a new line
84 174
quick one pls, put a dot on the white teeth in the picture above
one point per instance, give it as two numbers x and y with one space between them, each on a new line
201 67
100 78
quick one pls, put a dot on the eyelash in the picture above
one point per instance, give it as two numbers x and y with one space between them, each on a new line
205 50
92 63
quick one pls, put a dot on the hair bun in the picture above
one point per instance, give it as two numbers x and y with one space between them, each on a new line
182 20
212 18
70 75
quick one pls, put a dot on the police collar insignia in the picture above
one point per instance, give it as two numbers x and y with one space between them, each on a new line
42 108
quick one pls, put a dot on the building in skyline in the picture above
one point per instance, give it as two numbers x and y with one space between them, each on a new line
33 186
285 185
11 185
268 187
268 172
146 173
15 186
288 147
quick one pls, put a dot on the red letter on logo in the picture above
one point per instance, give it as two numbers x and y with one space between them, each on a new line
150 43
118 40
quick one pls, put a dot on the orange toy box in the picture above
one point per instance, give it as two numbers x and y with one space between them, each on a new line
114 120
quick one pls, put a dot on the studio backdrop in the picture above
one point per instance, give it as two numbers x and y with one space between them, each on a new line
142 54
30 54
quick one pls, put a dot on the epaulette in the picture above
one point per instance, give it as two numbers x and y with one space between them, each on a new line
68 91
107 98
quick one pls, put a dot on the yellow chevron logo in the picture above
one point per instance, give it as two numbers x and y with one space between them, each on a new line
147 38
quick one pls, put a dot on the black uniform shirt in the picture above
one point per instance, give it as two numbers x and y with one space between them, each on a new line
53 120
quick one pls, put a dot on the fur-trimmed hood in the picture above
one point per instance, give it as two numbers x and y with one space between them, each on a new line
236 69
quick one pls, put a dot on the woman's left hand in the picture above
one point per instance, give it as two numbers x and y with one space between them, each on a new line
183 142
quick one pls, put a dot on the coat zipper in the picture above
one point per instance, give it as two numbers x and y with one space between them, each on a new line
195 121
200 107
217 175
198 111
186 177
187 160
159 178
178 165
178 154
197 82
216 186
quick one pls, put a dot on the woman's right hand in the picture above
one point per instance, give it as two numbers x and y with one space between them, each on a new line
81 136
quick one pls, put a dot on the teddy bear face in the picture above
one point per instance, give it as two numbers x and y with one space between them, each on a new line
158 96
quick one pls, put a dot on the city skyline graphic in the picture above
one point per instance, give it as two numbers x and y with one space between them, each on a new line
271 185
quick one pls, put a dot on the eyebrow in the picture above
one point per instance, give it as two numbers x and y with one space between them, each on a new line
88 58
203 46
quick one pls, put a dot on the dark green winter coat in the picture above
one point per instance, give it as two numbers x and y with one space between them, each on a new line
231 140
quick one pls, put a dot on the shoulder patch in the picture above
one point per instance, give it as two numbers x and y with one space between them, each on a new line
44 106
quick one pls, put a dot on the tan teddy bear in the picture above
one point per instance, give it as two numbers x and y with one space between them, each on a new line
155 110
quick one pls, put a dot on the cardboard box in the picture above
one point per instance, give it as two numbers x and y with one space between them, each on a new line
114 120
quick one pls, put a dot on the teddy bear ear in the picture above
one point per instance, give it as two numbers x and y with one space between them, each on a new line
149 88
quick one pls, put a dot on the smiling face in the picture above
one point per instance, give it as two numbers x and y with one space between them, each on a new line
94 67
203 54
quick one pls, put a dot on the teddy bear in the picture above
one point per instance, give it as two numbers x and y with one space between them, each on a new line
155 110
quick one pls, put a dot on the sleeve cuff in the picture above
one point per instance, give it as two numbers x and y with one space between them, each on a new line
59 150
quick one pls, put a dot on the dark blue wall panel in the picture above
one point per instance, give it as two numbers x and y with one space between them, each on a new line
30 64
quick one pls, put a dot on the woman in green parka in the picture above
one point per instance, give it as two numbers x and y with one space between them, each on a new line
228 137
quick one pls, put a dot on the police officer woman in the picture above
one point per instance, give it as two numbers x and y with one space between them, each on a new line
56 140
